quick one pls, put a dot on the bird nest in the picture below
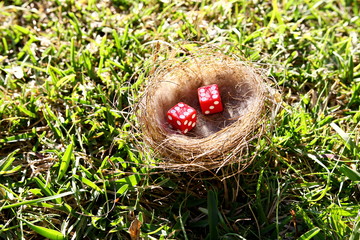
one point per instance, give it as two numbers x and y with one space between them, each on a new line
218 139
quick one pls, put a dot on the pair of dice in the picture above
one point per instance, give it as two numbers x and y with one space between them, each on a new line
183 117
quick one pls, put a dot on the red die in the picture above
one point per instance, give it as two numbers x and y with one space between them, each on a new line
182 117
209 98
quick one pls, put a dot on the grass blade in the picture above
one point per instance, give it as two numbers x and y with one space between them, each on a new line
351 174
22 29
50 117
345 136
258 202
11 171
18 138
213 215
5 163
72 53
46 232
327 187
356 232
46 189
65 161
89 183
35 201
309 234
27 112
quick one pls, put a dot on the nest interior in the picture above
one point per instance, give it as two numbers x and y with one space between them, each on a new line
217 138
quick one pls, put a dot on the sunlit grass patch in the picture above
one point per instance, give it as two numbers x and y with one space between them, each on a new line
70 72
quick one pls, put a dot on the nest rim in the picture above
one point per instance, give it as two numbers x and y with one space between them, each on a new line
215 149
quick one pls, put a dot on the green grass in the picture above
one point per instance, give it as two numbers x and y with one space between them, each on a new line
69 163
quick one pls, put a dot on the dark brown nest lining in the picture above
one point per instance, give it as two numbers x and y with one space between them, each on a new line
217 139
